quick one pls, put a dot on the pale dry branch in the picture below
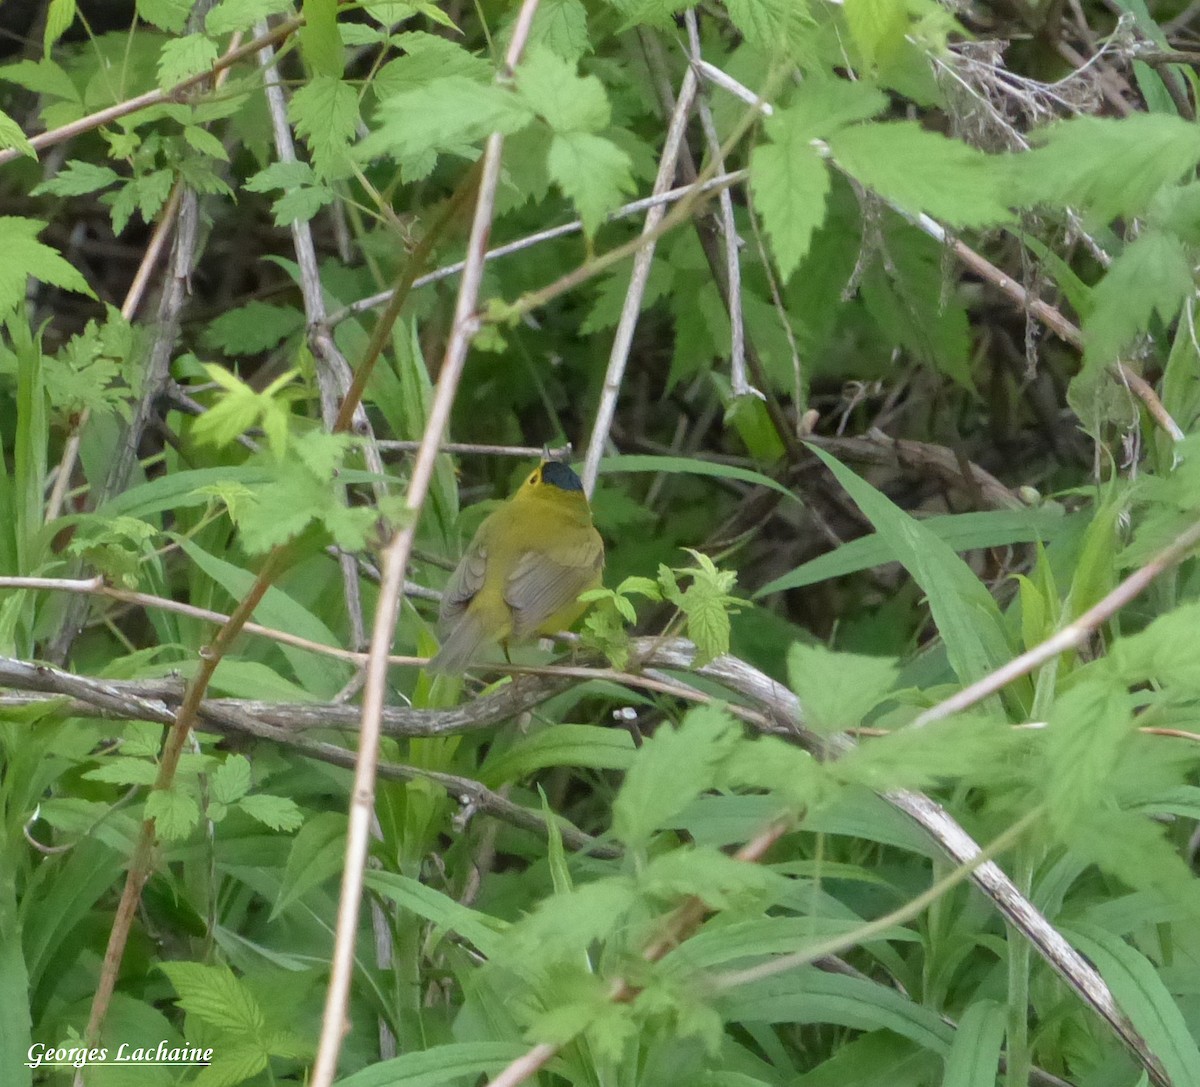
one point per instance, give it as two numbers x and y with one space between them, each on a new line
395 563
618 357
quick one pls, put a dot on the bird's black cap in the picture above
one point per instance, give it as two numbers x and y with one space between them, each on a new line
561 476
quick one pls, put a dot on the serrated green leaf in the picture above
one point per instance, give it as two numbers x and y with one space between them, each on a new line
922 171
672 768
76 179
254 327
561 26
24 256
775 26
184 57
592 172
59 17
790 183
1105 167
230 16
175 814
447 114
169 15
1152 276
231 780
276 812
838 690
567 102
877 26
325 113
215 996
12 136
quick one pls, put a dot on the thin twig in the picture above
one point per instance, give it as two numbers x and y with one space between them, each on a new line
152 98
333 372
623 337
395 562
363 305
733 264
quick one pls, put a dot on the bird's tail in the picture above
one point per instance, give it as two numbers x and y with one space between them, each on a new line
462 645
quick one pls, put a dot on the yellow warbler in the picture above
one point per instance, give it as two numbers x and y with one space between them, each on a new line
524 571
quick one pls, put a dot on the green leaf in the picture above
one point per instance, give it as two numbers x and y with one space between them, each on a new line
184 57
921 171
960 531
824 105
215 996
175 814
838 690
231 780
876 26
447 114
24 256
77 178
1152 276
592 172
168 15
438 1065
1105 167
621 465
965 613
1163 652
303 196
1089 727
771 25
124 771
276 812
254 327
317 854
1143 997
319 39
325 113
720 881
671 769
811 996
410 894
790 183
975 1052
59 17
561 26
230 16
566 101
12 136
562 745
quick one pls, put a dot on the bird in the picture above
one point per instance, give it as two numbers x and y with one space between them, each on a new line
523 572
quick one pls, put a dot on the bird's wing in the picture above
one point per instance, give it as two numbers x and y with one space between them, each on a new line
543 583
464 583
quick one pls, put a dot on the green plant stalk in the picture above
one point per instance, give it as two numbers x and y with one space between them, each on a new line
1018 1056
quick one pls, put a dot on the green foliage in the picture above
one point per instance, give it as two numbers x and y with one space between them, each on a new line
625 893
